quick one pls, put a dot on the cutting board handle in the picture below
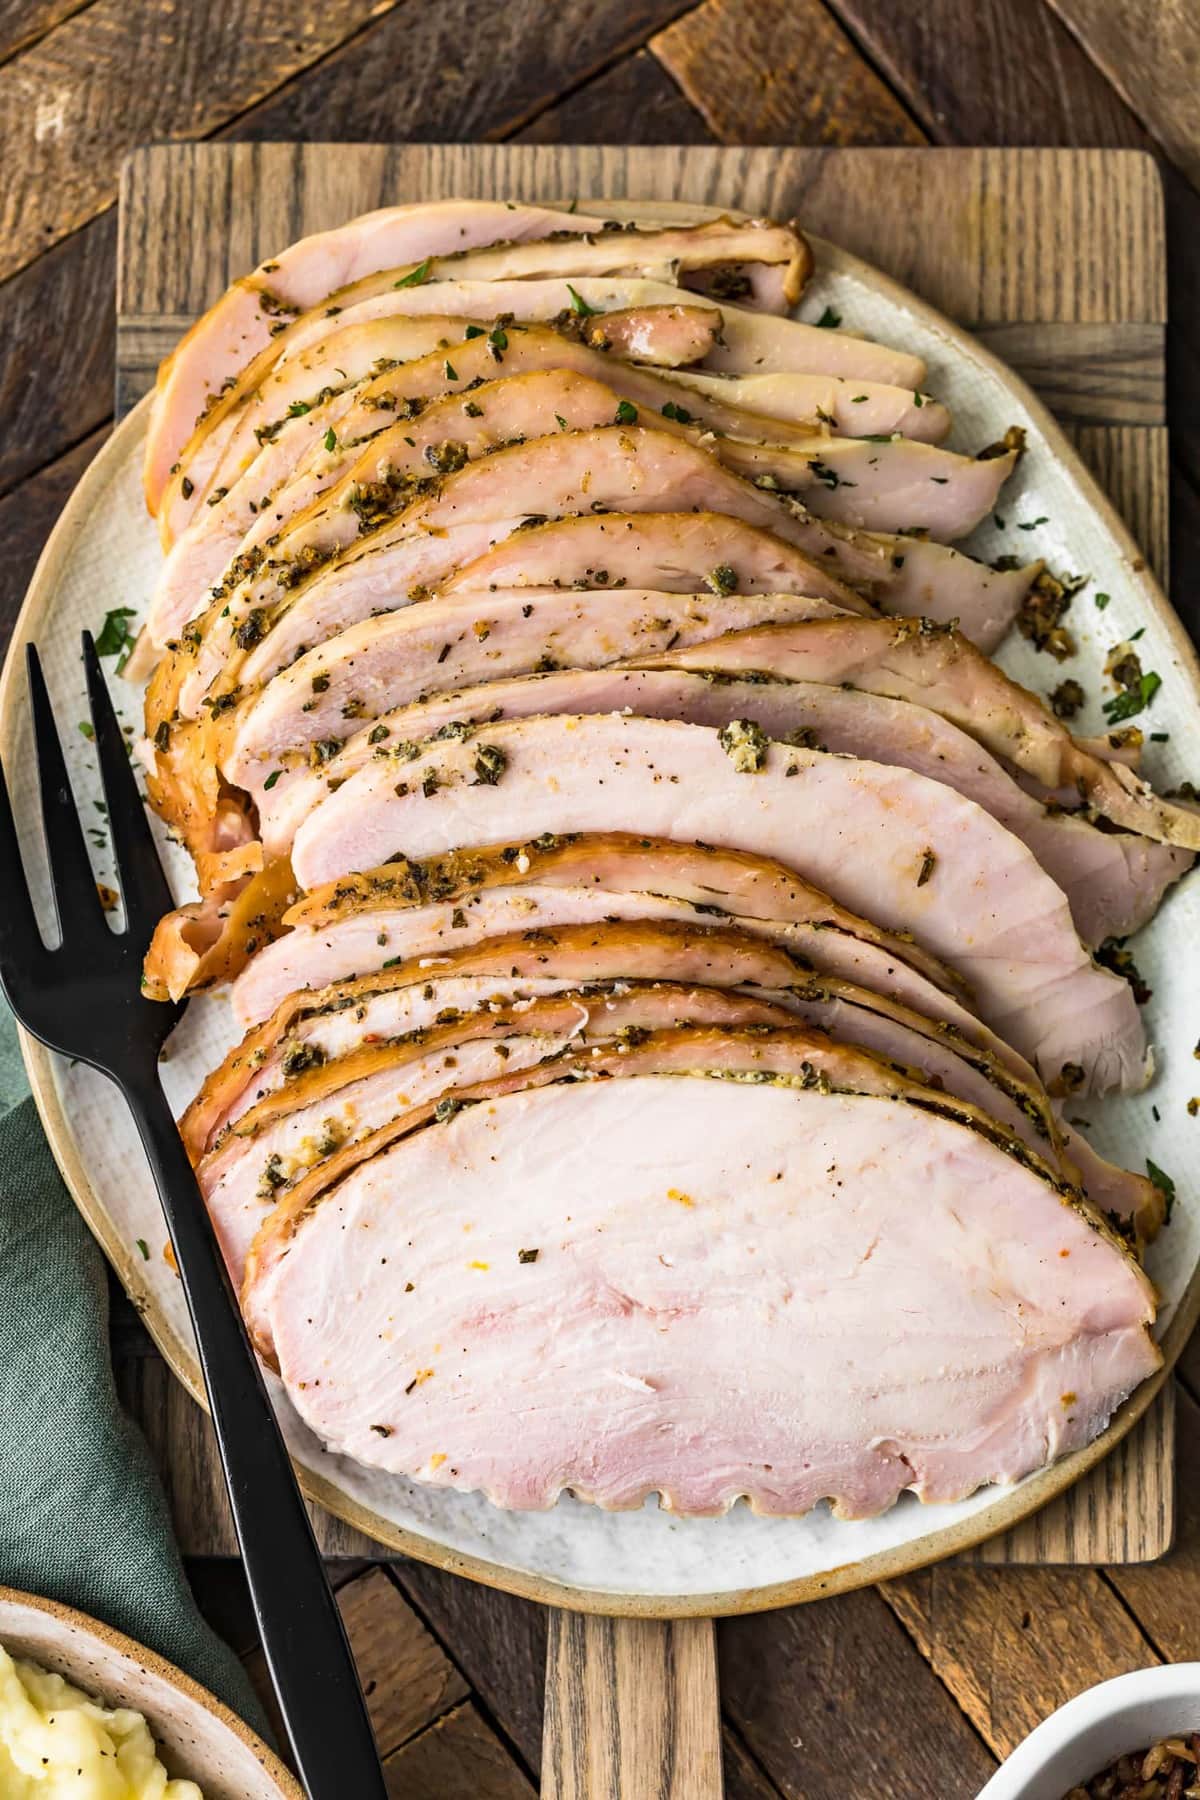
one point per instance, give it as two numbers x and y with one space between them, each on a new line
632 1710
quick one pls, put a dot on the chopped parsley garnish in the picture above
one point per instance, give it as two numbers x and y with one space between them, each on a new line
144 1248
829 320
272 778
680 414
1032 524
331 439
627 413
1102 601
115 637
86 729
1165 1186
474 331
722 579
579 305
451 372
490 764
1134 700
416 276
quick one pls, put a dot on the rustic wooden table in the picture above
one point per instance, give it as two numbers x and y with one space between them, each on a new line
911 1689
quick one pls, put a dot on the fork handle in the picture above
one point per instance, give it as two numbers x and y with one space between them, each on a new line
299 1623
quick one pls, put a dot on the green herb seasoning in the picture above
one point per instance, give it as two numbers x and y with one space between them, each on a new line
490 764
417 276
1134 699
1165 1186
116 639
579 305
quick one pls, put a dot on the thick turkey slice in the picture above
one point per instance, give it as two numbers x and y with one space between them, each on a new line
675 552
456 642
1114 881
232 332
361 922
750 343
753 260
848 406
893 846
339 1106
631 1339
907 659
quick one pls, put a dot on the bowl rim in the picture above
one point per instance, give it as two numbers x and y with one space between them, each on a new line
132 1651
1071 1721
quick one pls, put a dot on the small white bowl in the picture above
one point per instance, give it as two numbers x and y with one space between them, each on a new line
1128 1713
197 1736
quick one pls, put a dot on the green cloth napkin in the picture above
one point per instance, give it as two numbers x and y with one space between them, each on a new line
83 1516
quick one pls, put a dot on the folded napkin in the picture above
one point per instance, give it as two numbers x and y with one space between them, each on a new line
83 1516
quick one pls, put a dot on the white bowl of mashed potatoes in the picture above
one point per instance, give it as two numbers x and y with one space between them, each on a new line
86 1714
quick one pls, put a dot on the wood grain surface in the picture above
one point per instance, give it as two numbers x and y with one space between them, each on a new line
631 1708
841 1697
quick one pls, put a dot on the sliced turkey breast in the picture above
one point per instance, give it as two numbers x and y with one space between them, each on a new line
775 258
626 468
300 1081
751 343
850 407
324 576
693 1216
298 438
1114 881
893 846
338 1108
240 324
361 922
314 1030
676 552
298 720
349 378
862 482
911 660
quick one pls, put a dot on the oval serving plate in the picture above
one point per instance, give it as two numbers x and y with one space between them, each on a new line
104 553
196 1735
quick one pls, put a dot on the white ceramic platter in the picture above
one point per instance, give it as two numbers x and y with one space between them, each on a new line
104 553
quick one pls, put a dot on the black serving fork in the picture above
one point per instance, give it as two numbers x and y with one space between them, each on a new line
84 1000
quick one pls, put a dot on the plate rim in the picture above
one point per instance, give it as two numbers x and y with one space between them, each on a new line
1021 1502
130 1650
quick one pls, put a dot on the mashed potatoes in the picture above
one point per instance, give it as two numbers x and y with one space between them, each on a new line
57 1744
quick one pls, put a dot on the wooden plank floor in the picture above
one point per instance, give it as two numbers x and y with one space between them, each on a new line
920 1687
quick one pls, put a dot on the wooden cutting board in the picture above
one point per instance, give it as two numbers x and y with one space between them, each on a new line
1056 258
